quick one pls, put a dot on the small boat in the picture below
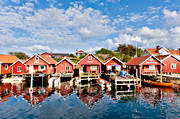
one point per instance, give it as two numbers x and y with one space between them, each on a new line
156 83
12 80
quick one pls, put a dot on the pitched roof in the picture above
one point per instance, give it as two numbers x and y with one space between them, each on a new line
112 59
80 51
93 56
50 60
8 58
155 51
66 60
137 60
161 57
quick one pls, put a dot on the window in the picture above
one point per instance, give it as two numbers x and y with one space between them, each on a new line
37 59
67 68
42 67
151 67
19 69
173 66
93 67
90 57
6 66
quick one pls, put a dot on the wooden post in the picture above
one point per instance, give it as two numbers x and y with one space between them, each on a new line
160 72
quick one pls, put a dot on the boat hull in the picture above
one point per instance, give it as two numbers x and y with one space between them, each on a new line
155 83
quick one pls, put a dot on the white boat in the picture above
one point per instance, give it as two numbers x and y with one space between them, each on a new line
13 80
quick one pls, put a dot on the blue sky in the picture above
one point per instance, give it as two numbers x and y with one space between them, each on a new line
36 26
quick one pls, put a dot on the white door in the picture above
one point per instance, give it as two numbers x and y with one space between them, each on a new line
118 68
31 69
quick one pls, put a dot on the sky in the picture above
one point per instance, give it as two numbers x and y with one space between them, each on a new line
64 26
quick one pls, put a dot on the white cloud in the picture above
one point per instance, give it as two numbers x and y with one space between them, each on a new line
16 1
37 48
172 17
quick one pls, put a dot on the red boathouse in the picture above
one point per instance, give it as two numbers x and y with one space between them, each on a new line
40 63
114 64
64 66
172 64
18 68
90 63
146 65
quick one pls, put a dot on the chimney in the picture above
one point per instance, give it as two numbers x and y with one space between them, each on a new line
158 47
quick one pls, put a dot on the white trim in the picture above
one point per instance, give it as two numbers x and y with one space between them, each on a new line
63 60
93 56
35 56
149 58
114 58
20 67
16 62
173 65
170 56
5 66
0 68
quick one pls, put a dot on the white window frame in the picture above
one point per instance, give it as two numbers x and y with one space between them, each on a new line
67 68
173 66
40 67
90 58
93 67
36 59
6 66
152 67
18 68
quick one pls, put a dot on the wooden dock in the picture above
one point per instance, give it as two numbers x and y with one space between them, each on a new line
90 75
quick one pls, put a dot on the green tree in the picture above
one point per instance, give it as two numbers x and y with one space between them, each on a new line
126 58
19 55
82 56
58 59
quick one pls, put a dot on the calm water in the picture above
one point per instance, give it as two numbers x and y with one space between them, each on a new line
91 101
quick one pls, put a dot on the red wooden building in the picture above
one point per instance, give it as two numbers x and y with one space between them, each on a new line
90 63
80 52
172 64
18 67
146 65
40 63
64 66
114 64
5 63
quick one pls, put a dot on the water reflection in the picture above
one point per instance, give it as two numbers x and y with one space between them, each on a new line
92 97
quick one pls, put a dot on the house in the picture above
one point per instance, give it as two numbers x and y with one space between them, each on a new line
114 64
41 64
146 65
5 63
80 52
90 63
64 66
172 64
18 67
161 51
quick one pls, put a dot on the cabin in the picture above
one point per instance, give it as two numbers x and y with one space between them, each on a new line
5 63
18 68
114 64
40 64
172 64
64 66
80 52
146 65
158 51
90 63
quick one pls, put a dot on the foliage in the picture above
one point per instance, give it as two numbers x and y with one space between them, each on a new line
126 58
58 59
71 55
105 51
129 50
19 55
82 56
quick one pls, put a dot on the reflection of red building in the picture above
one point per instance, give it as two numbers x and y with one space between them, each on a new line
65 89
38 95
7 90
90 95
155 95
